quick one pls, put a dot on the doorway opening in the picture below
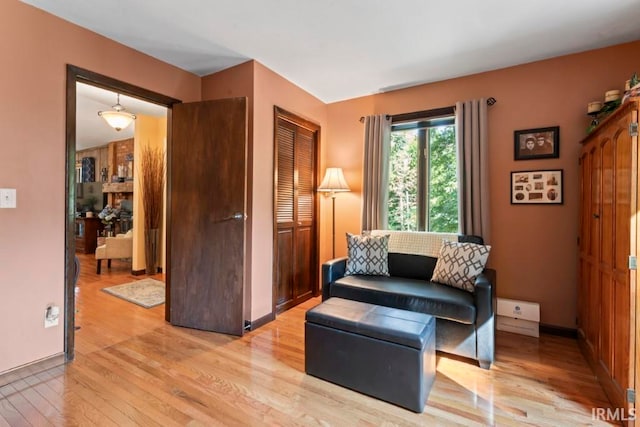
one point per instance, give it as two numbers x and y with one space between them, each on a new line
77 75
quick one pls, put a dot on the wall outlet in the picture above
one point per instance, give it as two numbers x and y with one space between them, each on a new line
51 316
7 197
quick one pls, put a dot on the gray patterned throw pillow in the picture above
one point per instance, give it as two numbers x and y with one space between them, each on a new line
459 264
368 255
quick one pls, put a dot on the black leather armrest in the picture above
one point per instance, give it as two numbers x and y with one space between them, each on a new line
484 295
485 300
332 270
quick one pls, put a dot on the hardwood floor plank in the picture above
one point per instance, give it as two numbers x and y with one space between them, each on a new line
54 399
78 405
153 385
22 405
133 368
137 397
28 389
9 414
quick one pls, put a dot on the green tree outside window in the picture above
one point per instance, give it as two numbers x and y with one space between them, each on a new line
439 179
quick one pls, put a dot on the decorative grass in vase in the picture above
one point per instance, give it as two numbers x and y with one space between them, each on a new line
152 171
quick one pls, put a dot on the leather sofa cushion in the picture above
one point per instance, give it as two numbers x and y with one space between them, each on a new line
411 266
402 327
444 302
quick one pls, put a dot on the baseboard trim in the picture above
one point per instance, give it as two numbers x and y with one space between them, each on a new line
255 324
143 272
29 369
559 331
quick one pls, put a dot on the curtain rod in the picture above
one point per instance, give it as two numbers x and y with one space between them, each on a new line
386 117
490 102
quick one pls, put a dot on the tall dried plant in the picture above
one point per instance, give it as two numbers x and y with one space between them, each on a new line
152 168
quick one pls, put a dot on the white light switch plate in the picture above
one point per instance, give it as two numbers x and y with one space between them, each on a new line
7 197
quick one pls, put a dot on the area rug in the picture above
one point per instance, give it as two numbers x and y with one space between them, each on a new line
146 292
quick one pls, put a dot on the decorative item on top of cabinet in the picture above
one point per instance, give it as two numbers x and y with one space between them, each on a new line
609 235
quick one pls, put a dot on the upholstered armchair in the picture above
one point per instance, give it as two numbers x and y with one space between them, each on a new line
118 247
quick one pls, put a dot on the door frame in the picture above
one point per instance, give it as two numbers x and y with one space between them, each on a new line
281 113
75 75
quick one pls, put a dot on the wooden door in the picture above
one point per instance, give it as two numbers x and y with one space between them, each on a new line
607 288
617 358
295 249
587 269
207 206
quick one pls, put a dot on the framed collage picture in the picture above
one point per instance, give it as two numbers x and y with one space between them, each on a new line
537 187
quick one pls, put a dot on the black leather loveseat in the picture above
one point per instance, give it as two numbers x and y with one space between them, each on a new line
464 320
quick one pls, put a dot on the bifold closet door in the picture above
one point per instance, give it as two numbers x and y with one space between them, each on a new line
295 258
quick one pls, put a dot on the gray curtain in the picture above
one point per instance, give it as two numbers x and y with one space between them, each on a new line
375 172
473 167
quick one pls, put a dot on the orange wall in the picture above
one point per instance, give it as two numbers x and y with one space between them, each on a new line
236 82
534 246
272 90
36 48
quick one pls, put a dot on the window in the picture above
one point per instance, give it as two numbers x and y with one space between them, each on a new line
423 176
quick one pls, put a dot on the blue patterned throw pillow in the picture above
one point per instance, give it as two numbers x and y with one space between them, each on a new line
459 264
368 255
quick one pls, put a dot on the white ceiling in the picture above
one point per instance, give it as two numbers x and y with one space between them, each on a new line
340 49
91 129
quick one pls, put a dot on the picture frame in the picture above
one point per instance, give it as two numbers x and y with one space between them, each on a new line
540 187
539 143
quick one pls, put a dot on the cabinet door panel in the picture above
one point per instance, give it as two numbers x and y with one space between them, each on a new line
607 310
284 262
304 268
607 198
623 189
621 333
594 312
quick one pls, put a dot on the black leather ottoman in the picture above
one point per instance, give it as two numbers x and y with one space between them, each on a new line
380 351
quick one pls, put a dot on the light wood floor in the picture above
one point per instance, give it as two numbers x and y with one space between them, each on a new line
132 368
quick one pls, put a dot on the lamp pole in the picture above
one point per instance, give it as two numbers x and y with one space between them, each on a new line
332 183
333 222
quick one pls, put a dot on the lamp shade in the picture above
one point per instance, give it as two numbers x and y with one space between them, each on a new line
117 118
333 181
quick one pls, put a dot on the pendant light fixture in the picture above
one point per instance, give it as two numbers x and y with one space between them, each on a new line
118 118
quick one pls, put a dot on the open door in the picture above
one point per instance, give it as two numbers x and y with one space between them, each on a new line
207 215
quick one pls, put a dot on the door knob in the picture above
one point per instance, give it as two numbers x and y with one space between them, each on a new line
236 216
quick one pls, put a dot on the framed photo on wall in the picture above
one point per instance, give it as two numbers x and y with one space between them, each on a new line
541 143
537 187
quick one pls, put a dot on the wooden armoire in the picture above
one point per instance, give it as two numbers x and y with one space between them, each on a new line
295 226
608 247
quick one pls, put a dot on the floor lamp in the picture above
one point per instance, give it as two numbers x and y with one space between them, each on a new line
332 183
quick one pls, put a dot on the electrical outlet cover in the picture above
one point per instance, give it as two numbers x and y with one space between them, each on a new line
7 197
49 320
